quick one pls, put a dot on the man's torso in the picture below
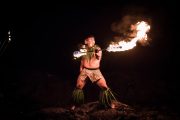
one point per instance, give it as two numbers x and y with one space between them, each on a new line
91 62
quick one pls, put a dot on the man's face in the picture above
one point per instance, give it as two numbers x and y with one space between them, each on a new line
90 41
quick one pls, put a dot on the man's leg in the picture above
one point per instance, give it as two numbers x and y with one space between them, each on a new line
78 94
106 97
102 83
80 83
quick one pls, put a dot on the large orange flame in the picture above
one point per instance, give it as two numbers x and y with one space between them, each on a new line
141 29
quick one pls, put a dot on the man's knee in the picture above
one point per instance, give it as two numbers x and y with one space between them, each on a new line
80 84
102 84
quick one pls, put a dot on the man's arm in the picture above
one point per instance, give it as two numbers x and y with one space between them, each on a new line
81 65
98 53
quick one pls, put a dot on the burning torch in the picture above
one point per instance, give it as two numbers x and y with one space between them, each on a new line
140 28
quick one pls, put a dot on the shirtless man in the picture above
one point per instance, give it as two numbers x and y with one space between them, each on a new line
89 67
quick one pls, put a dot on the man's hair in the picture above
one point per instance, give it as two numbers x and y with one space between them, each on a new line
89 36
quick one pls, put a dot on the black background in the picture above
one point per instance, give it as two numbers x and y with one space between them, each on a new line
37 67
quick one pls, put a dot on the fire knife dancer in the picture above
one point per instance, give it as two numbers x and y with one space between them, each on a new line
90 67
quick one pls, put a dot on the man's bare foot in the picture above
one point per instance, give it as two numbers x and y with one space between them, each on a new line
73 107
113 106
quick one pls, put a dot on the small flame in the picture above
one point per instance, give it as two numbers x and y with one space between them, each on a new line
9 34
142 28
79 53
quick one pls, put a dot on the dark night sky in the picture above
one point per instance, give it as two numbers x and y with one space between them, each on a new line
44 38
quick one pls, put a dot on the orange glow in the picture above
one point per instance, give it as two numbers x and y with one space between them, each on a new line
141 29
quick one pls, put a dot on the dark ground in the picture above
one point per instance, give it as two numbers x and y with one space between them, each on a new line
38 72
